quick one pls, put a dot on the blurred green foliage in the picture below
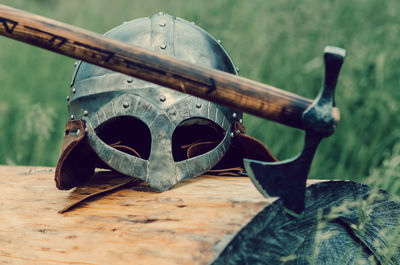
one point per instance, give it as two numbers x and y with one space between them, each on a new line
276 42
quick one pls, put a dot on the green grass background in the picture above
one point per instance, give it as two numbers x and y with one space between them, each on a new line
278 42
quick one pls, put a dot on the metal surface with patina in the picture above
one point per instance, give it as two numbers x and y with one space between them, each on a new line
99 95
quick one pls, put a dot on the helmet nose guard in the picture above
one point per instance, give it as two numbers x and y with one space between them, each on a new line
159 170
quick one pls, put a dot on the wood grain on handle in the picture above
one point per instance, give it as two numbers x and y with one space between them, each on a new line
220 87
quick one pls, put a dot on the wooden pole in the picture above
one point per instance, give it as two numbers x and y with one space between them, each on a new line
223 88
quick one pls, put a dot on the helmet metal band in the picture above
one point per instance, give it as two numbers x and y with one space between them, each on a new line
100 97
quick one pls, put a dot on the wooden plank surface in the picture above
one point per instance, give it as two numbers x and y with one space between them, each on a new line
189 224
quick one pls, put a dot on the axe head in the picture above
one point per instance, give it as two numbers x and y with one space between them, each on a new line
287 179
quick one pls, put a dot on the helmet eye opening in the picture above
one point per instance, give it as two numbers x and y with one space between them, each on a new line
126 134
194 137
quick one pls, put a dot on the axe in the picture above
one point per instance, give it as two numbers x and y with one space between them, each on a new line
285 179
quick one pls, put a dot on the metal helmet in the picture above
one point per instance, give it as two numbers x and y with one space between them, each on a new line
145 130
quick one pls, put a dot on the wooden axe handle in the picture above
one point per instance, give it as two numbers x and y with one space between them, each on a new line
220 87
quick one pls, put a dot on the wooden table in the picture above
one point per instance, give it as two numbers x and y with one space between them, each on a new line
189 224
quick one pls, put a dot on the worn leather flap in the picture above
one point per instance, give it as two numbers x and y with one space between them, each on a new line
75 164
251 147
243 146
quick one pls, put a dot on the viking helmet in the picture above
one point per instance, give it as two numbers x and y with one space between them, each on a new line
141 129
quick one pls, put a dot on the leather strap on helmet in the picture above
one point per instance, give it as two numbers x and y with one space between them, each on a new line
251 147
77 161
75 165
243 146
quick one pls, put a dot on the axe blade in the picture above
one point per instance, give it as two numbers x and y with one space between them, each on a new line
284 179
